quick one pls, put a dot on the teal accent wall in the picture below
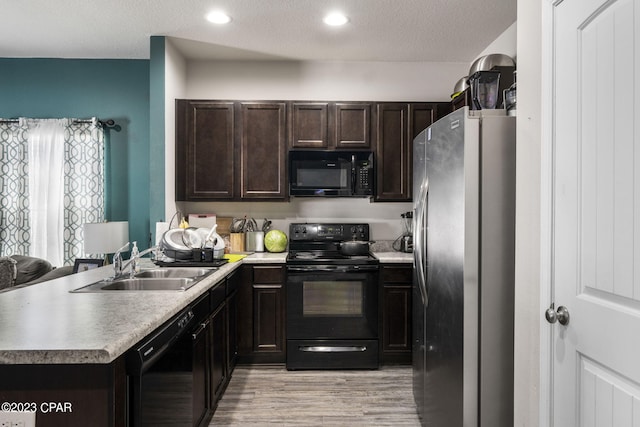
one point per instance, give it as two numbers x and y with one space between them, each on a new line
157 131
83 88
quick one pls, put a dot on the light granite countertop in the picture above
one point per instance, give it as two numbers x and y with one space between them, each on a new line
46 324
394 257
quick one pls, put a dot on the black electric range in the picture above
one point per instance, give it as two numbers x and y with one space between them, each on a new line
332 299
319 244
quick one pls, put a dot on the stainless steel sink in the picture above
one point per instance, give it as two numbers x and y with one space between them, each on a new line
173 272
150 284
160 279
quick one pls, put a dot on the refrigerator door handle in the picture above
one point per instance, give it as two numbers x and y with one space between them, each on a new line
419 228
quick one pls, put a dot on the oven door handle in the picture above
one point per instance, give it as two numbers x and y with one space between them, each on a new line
333 268
332 349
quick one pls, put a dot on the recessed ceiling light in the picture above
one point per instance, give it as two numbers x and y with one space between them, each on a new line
218 17
335 19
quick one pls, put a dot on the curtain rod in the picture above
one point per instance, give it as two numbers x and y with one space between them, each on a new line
109 123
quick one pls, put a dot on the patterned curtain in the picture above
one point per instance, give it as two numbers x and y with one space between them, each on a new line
14 191
83 187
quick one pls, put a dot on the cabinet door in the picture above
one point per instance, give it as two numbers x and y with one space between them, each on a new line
309 121
204 150
352 125
397 124
232 330
263 150
218 368
268 326
396 314
261 314
392 152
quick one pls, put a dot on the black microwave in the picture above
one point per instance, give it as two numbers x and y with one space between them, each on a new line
331 173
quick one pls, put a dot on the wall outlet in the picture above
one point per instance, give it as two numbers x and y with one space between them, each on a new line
17 419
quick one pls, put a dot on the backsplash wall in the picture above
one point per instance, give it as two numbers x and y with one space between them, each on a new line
384 218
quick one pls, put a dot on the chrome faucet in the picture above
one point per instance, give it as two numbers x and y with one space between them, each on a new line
133 262
117 261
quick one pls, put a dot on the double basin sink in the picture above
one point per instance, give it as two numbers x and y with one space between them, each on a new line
158 279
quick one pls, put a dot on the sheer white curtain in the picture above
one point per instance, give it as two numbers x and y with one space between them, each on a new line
46 141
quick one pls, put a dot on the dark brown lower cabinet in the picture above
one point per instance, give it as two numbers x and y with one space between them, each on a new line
233 284
218 370
67 395
200 341
395 326
261 316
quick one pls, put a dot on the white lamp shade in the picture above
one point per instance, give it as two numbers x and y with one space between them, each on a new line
105 237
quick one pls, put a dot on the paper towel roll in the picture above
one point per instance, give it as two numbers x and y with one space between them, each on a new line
161 228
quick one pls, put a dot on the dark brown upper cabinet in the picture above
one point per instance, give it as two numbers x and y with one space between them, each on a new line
231 150
263 144
309 125
397 124
237 150
352 125
204 150
330 125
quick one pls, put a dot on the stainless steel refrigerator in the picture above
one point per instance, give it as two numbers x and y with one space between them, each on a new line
463 296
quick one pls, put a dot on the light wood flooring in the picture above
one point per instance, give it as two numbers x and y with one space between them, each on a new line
277 397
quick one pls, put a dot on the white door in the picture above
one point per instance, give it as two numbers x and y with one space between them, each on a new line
596 213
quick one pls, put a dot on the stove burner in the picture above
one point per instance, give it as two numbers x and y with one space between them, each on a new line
319 244
305 255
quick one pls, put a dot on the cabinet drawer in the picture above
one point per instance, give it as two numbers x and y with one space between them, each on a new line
268 274
397 274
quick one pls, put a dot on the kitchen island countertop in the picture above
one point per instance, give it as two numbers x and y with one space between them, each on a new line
46 324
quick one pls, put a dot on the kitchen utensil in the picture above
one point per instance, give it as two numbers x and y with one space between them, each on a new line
488 62
484 89
214 240
251 225
355 247
460 86
191 238
266 225
254 241
172 245
406 243
237 225
510 98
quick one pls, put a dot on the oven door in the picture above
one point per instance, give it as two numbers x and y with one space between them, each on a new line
332 302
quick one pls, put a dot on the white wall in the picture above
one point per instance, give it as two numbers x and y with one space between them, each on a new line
528 318
175 87
506 43
384 218
344 81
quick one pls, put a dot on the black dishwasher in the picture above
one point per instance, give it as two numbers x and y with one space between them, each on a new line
166 371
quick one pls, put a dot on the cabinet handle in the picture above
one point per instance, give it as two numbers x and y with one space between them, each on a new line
202 327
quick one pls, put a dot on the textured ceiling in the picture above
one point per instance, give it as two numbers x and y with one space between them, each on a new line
379 30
